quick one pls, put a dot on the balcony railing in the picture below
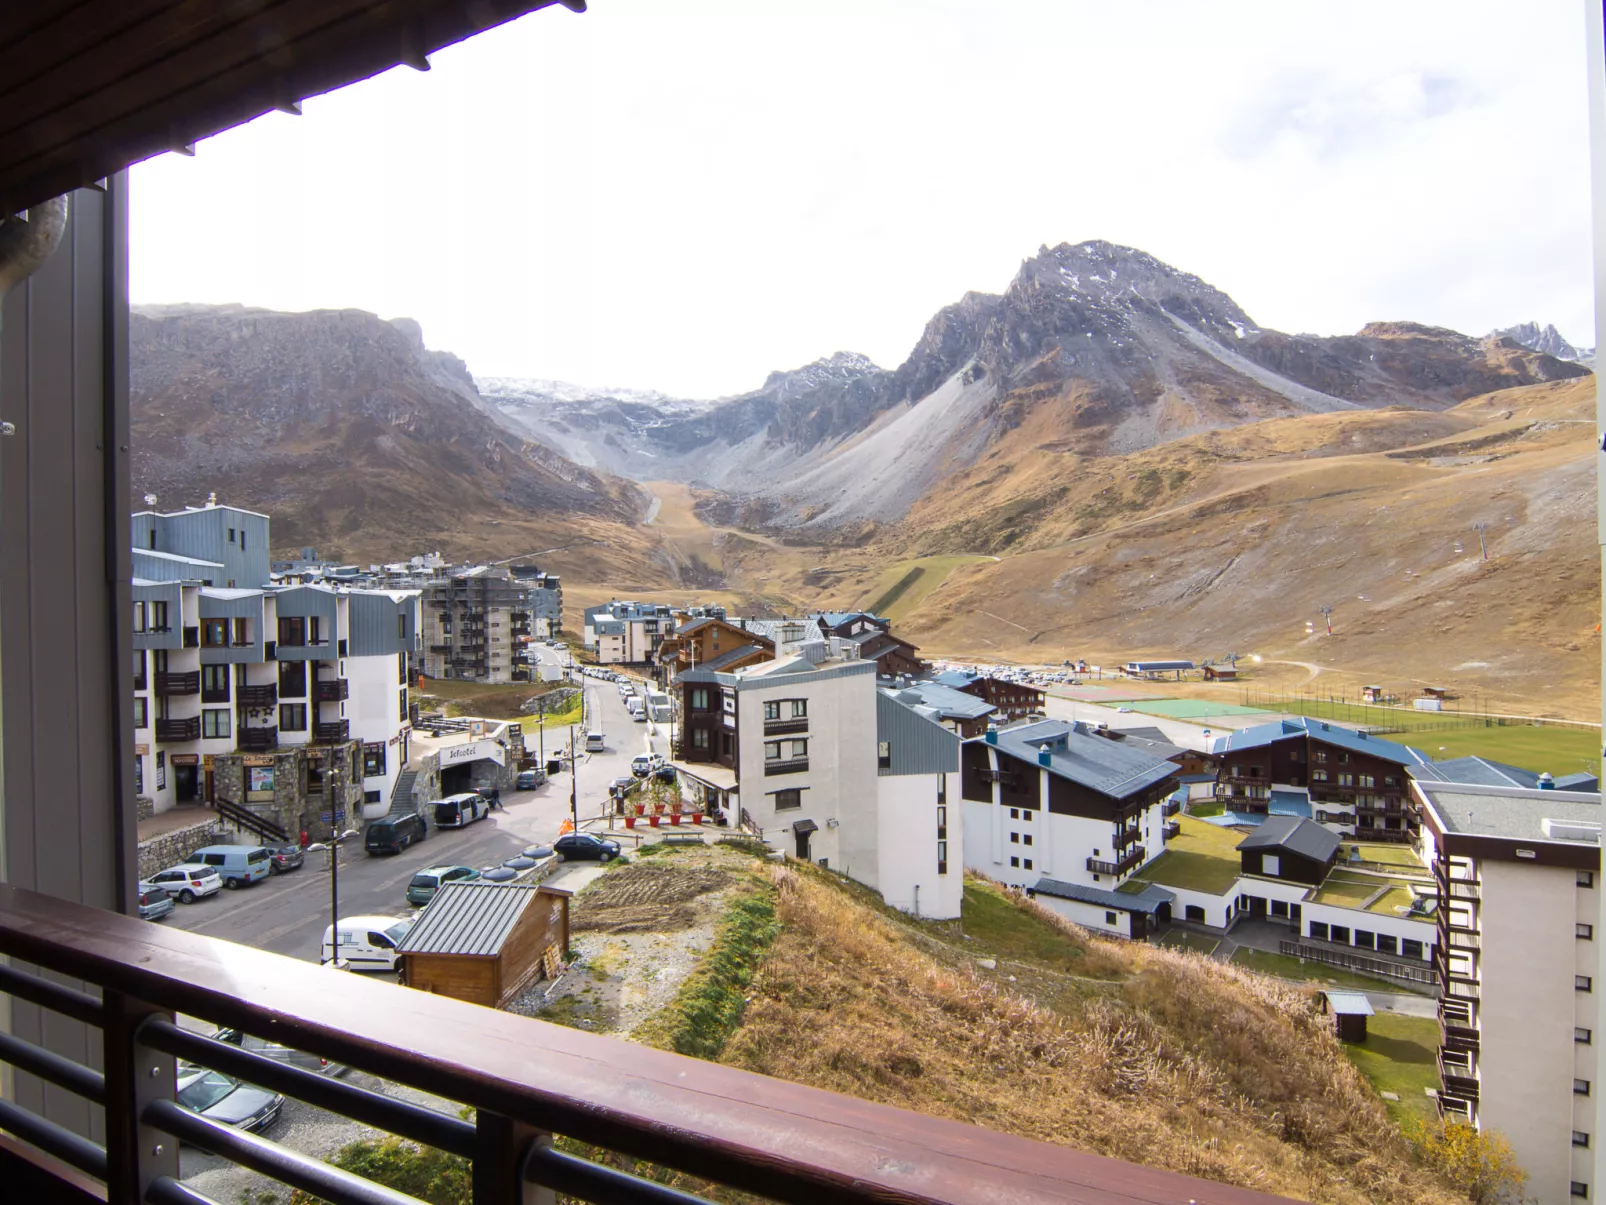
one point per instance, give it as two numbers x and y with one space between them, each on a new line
522 1079
1130 860
258 740
1127 837
179 684
179 730
782 727
332 690
328 734
792 765
259 696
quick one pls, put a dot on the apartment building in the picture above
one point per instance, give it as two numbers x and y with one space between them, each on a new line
1052 808
1519 968
546 599
478 624
1010 700
805 751
713 644
232 543
627 633
1354 784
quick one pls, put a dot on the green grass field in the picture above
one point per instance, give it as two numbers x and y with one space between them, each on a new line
1192 709
1400 1055
1284 966
1196 942
1560 749
903 587
1202 857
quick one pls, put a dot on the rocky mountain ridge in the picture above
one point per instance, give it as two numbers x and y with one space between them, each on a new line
1123 350
1546 339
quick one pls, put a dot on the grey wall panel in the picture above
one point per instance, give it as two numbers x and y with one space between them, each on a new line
67 823
919 745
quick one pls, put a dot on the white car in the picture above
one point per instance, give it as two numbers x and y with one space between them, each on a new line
188 881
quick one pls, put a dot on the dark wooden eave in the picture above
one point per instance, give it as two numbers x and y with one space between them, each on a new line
88 87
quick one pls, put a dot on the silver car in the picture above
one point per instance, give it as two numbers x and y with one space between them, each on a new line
278 1052
220 1097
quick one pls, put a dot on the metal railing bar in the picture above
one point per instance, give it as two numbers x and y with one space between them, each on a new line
48 1065
579 1177
291 1167
450 1134
165 1190
68 1001
70 1148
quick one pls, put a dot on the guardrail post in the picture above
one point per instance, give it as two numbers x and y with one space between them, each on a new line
502 1147
136 1154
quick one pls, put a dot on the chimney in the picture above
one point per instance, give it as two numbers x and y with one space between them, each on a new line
1044 756
1546 782
992 736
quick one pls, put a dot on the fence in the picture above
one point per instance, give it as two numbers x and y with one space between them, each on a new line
1358 962
1381 717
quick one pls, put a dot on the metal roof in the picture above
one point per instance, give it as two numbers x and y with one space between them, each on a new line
1298 836
1154 666
469 918
1260 735
1289 803
1076 754
1514 813
1147 901
1349 1004
947 702
1480 771
732 656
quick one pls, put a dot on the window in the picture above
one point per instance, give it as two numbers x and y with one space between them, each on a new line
772 711
1586 878
373 760
292 630
140 682
1583 983
800 709
1014 813
1318 930
1580 1087
214 633
1015 862
1340 934
293 717
1027 864
1109 918
1587 932
231 535
214 684
1279 908
772 750
401 705
800 748
942 820
215 722
242 632
1321 755
1318 775
1027 839
139 617
699 738
1390 780
1580 1139
1363 939
1583 1037
1014 839
786 800
699 700
1271 864
883 755
1579 1189
293 679
1387 944
1346 780
142 715
942 857
1411 948
161 770
242 539
139 775
159 616
1365 780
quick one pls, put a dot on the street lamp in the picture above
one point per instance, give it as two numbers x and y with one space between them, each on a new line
333 846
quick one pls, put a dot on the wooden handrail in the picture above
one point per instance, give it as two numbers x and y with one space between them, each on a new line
779 1139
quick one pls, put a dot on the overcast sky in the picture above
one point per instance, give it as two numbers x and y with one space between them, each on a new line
684 196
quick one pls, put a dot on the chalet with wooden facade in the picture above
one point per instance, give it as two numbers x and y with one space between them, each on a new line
1290 848
712 643
1011 700
963 714
1311 769
485 942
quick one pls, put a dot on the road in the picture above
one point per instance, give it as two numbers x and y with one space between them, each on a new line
288 913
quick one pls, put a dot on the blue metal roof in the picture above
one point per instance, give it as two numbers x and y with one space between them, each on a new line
1105 766
1260 735
947 702
1480 771
1290 803
1231 819
955 678
1146 901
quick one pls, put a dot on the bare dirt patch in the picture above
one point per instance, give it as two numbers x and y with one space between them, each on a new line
645 898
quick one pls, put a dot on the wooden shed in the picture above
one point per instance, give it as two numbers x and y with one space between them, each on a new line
1349 1011
484 942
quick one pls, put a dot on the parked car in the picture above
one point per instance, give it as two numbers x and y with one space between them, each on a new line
665 774
392 834
621 787
154 903
427 882
279 1053
367 943
460 811
641 765
585 847
188 881
530 779
285 858
237 865
219 1097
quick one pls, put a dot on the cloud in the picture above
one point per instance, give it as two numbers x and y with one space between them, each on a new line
1327 118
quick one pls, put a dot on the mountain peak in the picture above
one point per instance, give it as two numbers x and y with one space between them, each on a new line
1546 339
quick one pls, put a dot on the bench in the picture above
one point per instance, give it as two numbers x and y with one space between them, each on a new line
684 839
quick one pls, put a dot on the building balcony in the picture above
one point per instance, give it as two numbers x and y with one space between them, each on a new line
332 690
171 731
1127 837
332 732
791 765
522 1083
179 684
257 740
1457 1108
259 696
783 727
1131 861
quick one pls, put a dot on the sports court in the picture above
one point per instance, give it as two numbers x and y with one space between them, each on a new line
1194 709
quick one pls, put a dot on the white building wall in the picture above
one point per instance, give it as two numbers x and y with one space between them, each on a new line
901 846
1090 916
1528 1009
374 710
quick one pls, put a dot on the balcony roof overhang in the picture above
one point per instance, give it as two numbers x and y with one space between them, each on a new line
88 87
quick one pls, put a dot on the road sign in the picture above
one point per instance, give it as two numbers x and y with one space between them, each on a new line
331 817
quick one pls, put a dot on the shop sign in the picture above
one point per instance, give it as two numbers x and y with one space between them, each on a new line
142 750
258 760
186 759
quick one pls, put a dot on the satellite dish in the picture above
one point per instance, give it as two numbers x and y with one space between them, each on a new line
150 499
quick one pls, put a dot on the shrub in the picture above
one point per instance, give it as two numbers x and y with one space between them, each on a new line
1479 1163
420 1171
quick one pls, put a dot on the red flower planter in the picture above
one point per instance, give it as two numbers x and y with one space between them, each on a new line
654 820
696 817
630 822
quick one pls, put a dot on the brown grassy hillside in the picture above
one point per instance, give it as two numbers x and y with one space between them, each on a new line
1160 1058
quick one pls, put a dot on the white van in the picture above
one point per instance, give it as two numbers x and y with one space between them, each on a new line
367 943
459 811
594 741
